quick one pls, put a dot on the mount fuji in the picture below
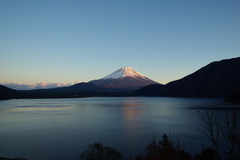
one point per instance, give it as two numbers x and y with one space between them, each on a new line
120 83
124 78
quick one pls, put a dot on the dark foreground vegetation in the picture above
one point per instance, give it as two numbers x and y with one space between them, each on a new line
1 158
221 126
155 150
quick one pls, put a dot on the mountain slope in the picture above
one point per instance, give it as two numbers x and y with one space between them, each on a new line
217 79
7 93
151 90
233 98
124 78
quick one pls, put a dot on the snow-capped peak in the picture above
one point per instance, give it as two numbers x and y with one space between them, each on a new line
124 72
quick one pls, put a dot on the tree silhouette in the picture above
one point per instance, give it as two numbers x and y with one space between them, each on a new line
164 150
222 127
167 148
153 149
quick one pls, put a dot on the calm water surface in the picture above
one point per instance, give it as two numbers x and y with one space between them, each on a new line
54 129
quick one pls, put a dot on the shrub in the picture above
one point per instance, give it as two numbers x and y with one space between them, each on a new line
97 151
208 154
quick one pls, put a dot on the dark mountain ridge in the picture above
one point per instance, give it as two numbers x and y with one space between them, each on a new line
217 79
7 93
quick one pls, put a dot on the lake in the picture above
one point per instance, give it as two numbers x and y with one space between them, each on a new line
54 129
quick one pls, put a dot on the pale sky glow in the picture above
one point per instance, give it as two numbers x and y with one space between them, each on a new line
56 41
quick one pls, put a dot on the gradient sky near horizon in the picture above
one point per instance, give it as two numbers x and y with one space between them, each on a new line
64 41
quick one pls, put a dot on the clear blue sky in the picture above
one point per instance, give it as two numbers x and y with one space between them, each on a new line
56 41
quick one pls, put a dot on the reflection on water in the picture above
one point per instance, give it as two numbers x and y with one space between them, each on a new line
62 128
132 112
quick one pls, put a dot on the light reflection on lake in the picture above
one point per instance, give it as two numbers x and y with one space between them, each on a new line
53 129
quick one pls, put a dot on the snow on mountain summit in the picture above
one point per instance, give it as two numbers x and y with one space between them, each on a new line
124 72
124 78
